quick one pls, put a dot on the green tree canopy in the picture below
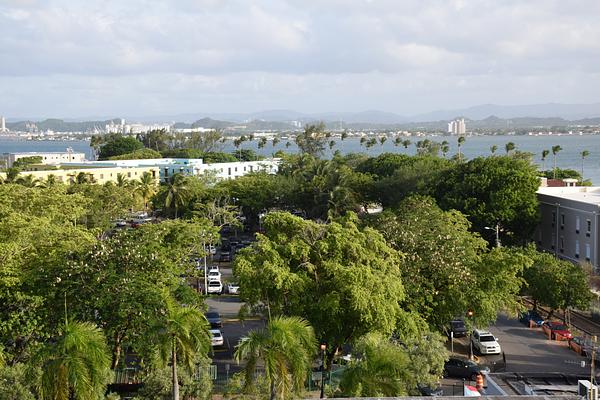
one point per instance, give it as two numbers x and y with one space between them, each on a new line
344 280
313 139
116 144
494 190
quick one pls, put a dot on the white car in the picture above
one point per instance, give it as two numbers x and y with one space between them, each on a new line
211 249
233 288
216 338
214 287
485 342
213 268
214 276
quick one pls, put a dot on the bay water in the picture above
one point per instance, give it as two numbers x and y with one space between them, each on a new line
474 146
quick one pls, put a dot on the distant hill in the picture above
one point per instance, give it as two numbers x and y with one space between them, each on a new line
550 110
59 125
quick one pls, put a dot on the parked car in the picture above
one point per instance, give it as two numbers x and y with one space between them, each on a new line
556 330
211 249
485 343
225 256
459 368
216 338
213 268
429 391
533 316
214 287
582 346
214 275
233 288
214 319
458 328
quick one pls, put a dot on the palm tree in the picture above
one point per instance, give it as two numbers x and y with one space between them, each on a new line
121 180
510 146
287 144
84 178
544 155
146 187
363 140
406 143
382 140
584 154
397 141
275 141
177 192
379 368
74 366
555 150
344 135
445 147
493 149
180 337
461 141
331 144
286 347
27 180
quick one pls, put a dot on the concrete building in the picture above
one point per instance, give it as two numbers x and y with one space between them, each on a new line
189 166
50 158
569 223
99 175
457 127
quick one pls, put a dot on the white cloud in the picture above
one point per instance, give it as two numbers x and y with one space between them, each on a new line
245 55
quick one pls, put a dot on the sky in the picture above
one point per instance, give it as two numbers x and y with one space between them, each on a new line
77 58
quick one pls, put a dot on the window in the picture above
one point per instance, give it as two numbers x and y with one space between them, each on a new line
577 249
577 225
229 171
540 236
235 169
562 244
553 218
251 168
553 240
562 221
129 174
101 176
589 228
244 169
588 253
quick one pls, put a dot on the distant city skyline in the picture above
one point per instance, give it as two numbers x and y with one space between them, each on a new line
77 59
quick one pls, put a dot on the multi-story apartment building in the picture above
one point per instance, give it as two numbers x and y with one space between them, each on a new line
569 223
191 166
48 158
99 175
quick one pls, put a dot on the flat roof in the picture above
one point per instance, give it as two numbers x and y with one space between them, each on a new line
582 194
32 153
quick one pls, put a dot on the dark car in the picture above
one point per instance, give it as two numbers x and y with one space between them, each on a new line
429 391
458 328
459 368
214 319
225 256
531 316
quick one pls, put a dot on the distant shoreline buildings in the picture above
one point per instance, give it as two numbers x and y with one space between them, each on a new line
457 127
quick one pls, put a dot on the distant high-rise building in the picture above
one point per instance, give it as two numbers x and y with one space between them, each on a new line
3 125
457 127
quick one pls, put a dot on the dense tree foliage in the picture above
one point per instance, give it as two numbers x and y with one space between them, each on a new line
556 283
344 280
116 145
313 139
492 191
140 154
447 268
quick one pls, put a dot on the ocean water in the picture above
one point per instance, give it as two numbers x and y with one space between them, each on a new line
474 146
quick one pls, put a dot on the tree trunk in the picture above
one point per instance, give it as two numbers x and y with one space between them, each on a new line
272 397
174 369
116 353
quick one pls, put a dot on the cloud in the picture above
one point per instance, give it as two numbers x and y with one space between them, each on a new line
245 55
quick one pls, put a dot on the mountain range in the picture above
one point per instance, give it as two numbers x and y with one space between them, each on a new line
482 116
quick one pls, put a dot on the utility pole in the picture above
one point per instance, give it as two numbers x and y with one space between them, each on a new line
594 339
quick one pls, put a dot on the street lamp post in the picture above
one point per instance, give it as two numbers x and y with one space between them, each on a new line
470 316
497 229
323 348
